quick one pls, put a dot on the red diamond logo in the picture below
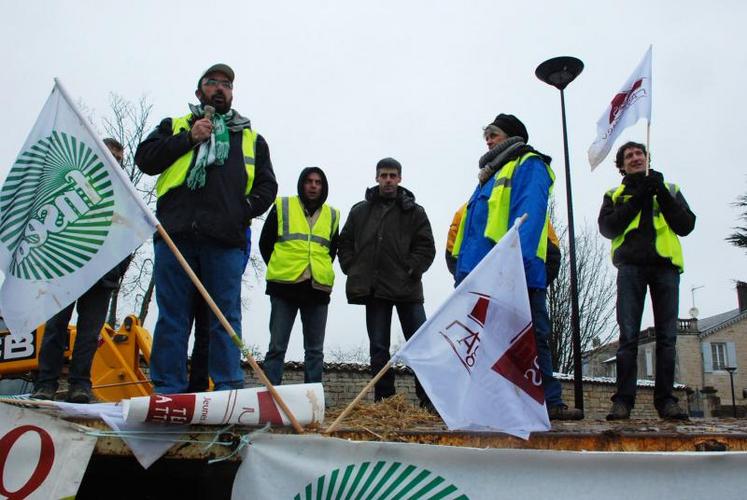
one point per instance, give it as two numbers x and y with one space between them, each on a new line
520 367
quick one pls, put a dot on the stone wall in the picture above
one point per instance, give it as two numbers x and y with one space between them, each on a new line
343 382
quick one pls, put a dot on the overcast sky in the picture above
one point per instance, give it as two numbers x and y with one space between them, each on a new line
342 84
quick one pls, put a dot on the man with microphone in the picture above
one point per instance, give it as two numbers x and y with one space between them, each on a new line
214 176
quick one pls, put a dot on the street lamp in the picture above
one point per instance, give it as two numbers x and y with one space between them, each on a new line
731 370
559 72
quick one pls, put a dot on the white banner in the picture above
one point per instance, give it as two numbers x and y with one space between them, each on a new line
40 456
68 215
631 103
253 406
476 356
307 467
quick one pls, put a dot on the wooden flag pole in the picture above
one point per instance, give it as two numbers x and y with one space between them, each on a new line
648 147
229 329
357 399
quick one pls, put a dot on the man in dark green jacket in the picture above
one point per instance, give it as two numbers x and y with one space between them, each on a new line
385 247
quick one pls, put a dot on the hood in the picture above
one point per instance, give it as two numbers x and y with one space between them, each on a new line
325 187
405 198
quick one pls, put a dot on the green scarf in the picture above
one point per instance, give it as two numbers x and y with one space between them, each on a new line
215 150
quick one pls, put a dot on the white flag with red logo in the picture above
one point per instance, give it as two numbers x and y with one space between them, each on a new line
476 357
630 104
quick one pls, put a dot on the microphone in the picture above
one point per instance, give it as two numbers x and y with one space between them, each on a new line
209 112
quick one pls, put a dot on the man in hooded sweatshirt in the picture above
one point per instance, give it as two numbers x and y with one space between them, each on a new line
385 247
299 244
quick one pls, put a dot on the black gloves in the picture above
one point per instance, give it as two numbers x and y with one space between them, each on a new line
656 182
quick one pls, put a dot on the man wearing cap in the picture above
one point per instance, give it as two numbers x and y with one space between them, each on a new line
385 247
214 176
644 217
515 179
299 244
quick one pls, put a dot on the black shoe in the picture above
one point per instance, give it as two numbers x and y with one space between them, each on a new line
562 412
672 411
46 392
79 394
619 411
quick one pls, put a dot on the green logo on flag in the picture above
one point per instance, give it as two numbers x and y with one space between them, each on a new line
381 480
57 206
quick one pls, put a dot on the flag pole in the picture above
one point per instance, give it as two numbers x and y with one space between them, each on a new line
518 222
357 399
648 146
229 329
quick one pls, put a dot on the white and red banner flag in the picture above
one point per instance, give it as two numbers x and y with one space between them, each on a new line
476 357
40 456
631 103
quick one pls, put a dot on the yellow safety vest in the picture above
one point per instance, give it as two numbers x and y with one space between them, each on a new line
298 246
175 175
667 243
499 206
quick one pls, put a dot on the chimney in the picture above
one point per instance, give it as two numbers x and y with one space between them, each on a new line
742 296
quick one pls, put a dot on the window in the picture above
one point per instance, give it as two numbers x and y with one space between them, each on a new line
718 355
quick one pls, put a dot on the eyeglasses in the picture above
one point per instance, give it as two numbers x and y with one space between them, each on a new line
214 83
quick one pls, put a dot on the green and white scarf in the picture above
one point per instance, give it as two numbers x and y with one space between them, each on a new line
215 150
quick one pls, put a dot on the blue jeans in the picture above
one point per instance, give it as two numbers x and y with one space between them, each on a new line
314 321
541 323
220 269
199 380
664 283
379 326
92 307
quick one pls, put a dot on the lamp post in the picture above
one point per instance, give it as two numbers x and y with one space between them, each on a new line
559 72
731 370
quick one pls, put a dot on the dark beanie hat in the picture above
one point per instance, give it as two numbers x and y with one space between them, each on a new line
389 163
512 126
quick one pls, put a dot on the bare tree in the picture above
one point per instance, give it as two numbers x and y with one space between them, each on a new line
739 237
596 289
128 123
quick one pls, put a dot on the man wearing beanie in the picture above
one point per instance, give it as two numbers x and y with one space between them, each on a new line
515 179
385 247
299 244
644 217
214 176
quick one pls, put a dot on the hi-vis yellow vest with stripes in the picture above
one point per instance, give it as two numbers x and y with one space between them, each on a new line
499 206
298 246
667 243
175 175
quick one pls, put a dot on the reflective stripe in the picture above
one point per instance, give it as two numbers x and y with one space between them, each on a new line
334 220
305 237
286 219
248 160
503 181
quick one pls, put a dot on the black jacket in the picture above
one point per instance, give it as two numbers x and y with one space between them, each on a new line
638 248
385 247
302 292
220 210
112 278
